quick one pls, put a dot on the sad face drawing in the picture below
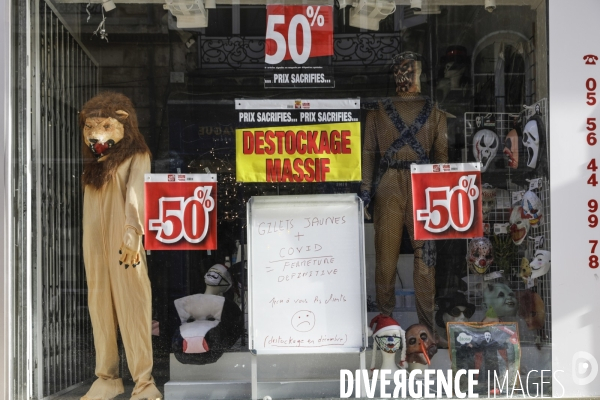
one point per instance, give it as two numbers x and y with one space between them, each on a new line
303 321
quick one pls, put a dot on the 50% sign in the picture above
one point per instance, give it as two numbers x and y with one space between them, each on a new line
447 201
298 33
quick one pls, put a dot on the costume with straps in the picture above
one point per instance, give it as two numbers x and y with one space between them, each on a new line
401 131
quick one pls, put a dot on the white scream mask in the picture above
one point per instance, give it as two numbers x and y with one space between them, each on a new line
540 265
487 336
488 199
485 147
531 141
532 208
519 226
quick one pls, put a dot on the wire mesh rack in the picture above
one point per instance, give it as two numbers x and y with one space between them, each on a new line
510 188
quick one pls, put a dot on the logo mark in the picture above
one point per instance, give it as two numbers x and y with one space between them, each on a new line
585 368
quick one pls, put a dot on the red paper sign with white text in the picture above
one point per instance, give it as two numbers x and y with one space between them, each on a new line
299 46
181 211
447 201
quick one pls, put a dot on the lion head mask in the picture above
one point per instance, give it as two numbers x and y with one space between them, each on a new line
111 135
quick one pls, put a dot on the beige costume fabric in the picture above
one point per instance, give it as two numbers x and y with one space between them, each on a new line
118 296
393 199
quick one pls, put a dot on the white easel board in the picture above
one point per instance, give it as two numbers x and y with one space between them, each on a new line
306 273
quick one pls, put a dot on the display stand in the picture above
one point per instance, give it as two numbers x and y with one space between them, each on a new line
307 293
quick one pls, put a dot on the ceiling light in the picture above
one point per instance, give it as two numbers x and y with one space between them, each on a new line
416 5
108 5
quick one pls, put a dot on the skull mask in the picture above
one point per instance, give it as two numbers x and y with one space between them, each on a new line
532 208
511 149
531 142
485 147
540 265
487 336
406 68
488 199
480 255
519 225
420 345
501 298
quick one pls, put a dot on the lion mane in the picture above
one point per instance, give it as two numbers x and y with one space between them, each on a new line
105 105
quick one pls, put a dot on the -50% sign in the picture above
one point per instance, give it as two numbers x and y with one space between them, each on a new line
180 214
298 33
446 201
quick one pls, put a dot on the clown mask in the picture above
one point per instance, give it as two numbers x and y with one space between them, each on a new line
485 147
532 208
540 265
480 255
519 225
511 149
488 199
420 345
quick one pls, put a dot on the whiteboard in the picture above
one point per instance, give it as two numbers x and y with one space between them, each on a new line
306 274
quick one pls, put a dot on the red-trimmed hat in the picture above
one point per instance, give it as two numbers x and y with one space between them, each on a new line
383 322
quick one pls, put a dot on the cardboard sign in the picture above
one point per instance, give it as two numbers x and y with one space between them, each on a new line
299 46
298 140
181 211
447 201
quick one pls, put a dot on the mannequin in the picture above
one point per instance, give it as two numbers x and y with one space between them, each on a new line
116 158
210 323
424 141
389 337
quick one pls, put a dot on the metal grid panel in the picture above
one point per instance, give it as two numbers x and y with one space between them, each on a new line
66 79
500 215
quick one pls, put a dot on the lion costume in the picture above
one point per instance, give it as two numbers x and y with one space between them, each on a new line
116 158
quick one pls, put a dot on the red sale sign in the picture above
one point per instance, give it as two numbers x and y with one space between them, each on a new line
447 201
181 211
299 46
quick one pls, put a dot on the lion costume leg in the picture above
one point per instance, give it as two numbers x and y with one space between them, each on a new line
118 297
104 319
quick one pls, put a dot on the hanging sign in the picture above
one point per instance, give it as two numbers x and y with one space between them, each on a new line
298 140
181 211
447 201
299 46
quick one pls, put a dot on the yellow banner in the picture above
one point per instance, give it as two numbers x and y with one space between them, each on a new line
300 153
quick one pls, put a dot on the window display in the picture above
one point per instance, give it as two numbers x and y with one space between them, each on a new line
269 194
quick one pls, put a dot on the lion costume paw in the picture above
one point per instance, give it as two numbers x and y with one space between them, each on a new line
150 392
104 389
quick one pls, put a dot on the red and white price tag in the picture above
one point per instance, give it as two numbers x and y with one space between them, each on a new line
298 33
181 211
447 201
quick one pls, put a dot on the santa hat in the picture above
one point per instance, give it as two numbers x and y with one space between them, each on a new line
383 323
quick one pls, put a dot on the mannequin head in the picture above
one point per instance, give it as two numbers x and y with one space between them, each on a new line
406 68
217 279
454 309
389 337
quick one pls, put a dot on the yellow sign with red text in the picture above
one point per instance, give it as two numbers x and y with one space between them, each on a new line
299 144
